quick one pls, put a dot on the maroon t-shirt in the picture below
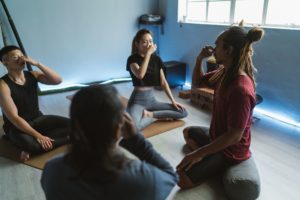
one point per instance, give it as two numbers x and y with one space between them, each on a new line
233 108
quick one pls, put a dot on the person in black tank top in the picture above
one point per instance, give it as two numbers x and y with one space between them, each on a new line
24 124
147 71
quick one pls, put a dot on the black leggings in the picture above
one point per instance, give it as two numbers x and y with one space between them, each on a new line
54 127
211 165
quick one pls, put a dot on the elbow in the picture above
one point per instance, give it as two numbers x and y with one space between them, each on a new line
164 84
57 80
140 76
237 138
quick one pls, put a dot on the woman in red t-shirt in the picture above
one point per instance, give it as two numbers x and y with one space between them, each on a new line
227 141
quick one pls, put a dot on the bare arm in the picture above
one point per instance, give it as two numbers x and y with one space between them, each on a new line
10 110
166 88
238 116
140 71
198 68
46 75
229 138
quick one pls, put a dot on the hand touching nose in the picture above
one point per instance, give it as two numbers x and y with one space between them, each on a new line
152 48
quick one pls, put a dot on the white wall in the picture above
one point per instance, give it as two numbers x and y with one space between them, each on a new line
83 40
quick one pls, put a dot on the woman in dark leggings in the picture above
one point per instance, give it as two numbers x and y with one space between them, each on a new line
229 138
147 70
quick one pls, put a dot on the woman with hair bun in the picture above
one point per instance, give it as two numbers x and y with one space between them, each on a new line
228 139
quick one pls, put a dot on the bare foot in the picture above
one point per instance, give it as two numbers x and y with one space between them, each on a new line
24 156
147 113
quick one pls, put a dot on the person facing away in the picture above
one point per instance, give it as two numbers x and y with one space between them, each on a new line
228 139
24 124
147 70
94 168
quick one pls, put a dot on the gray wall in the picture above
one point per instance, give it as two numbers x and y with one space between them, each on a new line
276 57
83 40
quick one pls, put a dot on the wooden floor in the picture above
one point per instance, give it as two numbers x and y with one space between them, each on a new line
275 146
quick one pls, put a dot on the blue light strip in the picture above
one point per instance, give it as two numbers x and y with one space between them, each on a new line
61 86
115 80
276 116
45 88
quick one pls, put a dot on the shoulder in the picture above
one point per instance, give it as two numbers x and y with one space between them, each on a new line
243 85
133 57
3 86
156 57
32 74
157 61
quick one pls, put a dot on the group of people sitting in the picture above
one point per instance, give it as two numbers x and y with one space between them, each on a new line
95 167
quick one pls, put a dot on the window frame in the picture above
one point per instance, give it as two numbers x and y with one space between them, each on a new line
183 15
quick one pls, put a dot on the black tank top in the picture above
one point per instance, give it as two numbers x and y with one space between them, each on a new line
25 98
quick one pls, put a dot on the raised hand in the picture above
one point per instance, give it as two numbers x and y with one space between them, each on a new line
151 48
128 128
205 52
30 60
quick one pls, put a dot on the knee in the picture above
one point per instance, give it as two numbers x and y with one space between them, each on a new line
184 181
184 113
34 148
186 132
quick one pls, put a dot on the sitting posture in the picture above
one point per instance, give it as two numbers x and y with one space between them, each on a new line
228 139
24 124
95 168
147 70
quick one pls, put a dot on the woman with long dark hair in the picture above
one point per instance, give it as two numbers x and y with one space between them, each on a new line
95 168
147 70
227 141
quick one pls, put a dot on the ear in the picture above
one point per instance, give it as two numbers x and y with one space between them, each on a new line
4 61
118 131
229 50
136 44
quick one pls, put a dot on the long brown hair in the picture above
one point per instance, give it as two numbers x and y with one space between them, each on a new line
96 111
241 43
138 36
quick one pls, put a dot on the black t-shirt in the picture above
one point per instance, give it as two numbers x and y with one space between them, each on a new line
25 98
152 76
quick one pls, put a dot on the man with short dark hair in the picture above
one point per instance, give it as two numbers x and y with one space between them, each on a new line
24 124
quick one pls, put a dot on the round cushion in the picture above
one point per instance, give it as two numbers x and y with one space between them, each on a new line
241 181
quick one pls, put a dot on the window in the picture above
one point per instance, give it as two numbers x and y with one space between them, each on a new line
275 13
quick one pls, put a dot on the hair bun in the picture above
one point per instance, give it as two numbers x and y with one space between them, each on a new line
255 34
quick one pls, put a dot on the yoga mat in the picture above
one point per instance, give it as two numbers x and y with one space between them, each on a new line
9 151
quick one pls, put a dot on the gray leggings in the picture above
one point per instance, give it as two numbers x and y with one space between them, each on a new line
211 165
141 100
